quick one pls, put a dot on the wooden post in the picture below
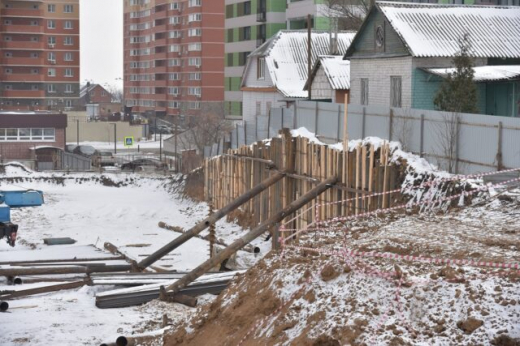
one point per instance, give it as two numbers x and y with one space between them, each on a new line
500 164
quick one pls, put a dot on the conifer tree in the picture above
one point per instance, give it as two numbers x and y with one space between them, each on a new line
458 92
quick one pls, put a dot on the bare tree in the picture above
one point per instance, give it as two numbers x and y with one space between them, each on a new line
207 127
116 92
346 14
403 128
447 133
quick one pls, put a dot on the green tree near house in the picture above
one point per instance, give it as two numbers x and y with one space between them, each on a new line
458 92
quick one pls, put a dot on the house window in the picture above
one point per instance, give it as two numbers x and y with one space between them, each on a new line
51 8
247 8
51 88
194 32
68 72
68 103
258 108
193 3
260 69
194 61
68 8
194 105
51 72
67 57
395 92
68 88
173 90
51 24
51 40
364 91
194 91
8 71
194 76
67 41
51 56
194 47
103 93
67 24
247 33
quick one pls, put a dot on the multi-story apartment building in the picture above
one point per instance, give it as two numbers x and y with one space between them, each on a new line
249 23
173 56
39 54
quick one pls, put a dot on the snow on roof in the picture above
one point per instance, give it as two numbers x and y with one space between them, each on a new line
432 30
337 71
286 57
484 73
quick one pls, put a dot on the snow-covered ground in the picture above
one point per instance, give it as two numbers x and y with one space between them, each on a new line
90 212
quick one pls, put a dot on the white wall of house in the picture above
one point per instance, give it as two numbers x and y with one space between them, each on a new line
320 87
255 102
378 73
251 76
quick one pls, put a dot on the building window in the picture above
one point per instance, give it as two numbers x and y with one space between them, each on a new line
67 24
395 92
67 41
193 3
51 88
194 17
247 8
173 76
51 40
174 6
194 91
27 134
173 91
51 8
194 105
8 71
68 88
68 103
194 47
247 33
68 72
51 56
194 76
51 72
67 57
260 69
68 8
364 91
194 61
175 20
51 24
194 32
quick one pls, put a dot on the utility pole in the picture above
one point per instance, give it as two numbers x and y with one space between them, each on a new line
176 156
77 131
115 138
160 146
309 51
155 130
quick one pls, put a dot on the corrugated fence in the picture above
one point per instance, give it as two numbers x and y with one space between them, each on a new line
460 143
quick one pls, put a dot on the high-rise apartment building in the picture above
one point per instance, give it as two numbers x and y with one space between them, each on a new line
249 23
173 56
39 54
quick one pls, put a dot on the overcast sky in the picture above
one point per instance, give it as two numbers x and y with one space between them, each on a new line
101 30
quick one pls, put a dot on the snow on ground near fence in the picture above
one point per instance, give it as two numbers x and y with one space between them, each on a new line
92 213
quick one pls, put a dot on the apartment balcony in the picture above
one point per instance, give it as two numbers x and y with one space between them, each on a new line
22 29
21 12
23 61
23 93
21 77
25 45
261 16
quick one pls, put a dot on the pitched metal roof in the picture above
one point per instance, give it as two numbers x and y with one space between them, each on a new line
432 30
484 73
336 70
286 57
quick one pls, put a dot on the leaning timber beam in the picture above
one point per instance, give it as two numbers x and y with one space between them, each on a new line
201 226
246 239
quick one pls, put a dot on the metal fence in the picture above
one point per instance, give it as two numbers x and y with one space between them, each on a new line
460 143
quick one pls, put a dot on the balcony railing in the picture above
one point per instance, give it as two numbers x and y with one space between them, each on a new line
261 16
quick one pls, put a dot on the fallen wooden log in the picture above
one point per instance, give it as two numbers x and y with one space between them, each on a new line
72 260
16 271
45 289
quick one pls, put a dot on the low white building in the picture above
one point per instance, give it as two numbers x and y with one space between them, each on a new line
330 79
276 72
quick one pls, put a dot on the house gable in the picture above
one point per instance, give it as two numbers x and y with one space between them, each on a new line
376 39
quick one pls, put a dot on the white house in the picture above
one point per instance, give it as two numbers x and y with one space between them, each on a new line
330 79
276 72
